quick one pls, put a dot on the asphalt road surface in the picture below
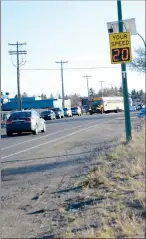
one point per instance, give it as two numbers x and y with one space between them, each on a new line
38 165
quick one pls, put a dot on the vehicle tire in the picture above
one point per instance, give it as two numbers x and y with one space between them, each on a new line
19 133
44 128
35 132
9 134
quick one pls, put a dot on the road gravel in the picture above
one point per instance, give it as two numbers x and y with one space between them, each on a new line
34 167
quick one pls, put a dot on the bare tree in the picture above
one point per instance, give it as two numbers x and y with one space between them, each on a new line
139 63
91 92
75 99
108 92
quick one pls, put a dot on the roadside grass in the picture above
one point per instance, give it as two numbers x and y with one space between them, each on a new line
120 184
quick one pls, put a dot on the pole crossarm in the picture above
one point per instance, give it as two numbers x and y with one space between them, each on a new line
19 44
19 52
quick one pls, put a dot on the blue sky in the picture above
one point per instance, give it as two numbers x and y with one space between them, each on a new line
75 31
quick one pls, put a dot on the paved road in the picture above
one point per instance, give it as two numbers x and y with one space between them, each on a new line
31 164
56 131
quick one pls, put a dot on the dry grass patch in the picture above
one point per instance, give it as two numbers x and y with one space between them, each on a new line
120 182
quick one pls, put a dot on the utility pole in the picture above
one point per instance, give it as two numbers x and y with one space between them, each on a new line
111 85
124 80
87 76
101 87
62 82
112 90
18 52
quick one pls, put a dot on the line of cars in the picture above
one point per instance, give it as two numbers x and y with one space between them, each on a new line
32 121
57 113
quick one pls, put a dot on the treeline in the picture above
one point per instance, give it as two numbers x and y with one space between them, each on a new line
105 92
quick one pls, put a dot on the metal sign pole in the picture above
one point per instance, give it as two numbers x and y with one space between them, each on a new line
124 81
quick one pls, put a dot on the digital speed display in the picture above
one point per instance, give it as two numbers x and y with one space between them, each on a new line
120 47
121 55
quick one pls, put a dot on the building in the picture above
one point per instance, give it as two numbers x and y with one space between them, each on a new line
34 103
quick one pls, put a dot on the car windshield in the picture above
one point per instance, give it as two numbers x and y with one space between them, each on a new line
20 115
46 112
56 109
74 108
65 109
98 102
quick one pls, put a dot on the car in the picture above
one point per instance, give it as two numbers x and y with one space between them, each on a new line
139 107
67 112
76 111
85 109
132 108
25 121
142 113
58 112
48 115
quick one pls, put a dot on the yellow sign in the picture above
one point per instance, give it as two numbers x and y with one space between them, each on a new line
120 47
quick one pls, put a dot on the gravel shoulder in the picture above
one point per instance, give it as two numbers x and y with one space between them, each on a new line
30 205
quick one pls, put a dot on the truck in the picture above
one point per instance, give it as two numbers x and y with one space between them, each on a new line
85 103
106 104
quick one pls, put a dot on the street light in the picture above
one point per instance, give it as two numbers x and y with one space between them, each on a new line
142 40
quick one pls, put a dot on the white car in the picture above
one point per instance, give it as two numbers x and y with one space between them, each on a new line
76 111
132 108
67 112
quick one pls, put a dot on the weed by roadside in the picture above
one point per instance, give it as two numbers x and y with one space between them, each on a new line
119 183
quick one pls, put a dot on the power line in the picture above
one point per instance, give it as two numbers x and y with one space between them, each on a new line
78 68
62 62
18 52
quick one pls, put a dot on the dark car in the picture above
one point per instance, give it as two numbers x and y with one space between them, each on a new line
58 112
25 121
48 115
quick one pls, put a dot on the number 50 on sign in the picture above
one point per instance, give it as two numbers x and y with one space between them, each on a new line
120 47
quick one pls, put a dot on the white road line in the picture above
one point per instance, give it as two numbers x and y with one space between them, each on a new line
132 117
44 136
47 135
51 141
